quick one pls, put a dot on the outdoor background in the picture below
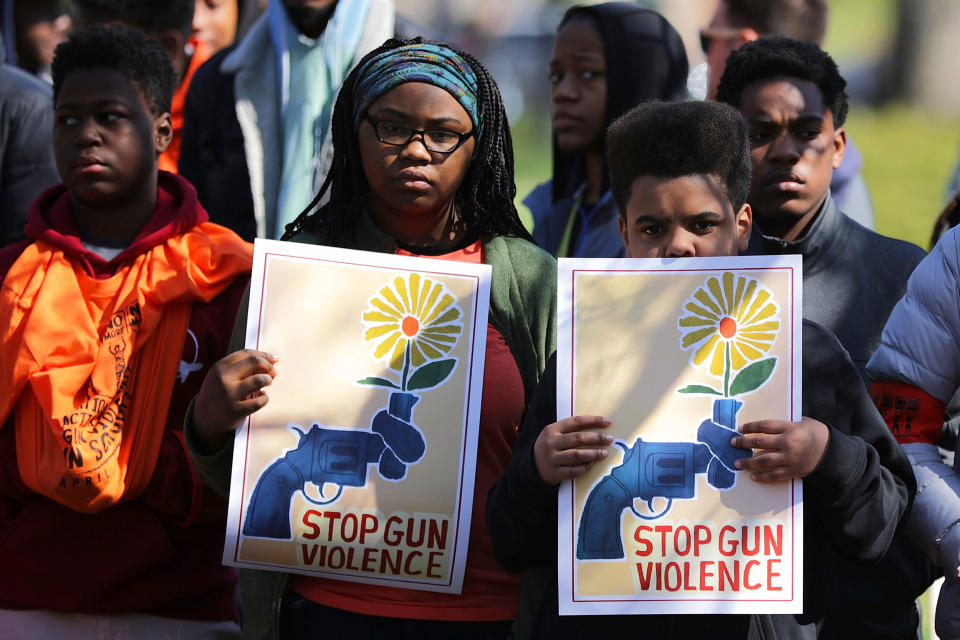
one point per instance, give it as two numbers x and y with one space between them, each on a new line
898 56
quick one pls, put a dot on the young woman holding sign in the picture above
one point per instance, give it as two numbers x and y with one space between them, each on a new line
423 165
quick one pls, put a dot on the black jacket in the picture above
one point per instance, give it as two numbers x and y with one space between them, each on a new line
853 500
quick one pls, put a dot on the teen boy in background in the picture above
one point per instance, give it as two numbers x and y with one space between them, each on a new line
737 22
792 96
680 174
110 313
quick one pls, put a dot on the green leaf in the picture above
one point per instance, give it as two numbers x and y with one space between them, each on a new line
699 388
751 377
430 375
379 382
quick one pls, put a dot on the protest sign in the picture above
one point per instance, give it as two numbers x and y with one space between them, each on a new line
361 465
678 354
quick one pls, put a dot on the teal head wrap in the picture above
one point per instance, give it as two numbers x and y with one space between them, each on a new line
429 63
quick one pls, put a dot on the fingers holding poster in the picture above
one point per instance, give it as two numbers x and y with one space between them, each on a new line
361 465
667 522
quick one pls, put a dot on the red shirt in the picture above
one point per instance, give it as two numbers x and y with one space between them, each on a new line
489 591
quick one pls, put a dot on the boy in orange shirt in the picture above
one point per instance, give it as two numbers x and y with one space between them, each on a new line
110 311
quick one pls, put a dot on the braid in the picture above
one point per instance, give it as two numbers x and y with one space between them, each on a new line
485 200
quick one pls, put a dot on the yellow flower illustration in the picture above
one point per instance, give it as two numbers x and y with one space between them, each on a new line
731 322
415 318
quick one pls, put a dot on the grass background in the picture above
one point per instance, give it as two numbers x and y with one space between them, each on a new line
909 155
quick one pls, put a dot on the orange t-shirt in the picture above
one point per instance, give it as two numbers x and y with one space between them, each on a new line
489 592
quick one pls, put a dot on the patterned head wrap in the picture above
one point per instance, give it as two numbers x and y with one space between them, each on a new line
429 63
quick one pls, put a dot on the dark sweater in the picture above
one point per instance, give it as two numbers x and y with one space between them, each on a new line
853 502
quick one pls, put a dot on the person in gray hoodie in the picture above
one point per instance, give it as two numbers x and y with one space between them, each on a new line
26 155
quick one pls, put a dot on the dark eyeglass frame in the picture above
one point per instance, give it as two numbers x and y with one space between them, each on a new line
461 137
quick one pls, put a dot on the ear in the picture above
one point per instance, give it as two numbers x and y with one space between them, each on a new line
744 222
839 146
162 132
747 35
624 235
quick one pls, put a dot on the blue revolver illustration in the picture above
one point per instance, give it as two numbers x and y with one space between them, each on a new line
336 456
658 470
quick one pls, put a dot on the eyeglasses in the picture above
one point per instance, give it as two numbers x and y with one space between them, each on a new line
708 35
436 140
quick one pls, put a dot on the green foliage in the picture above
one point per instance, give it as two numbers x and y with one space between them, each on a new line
699 388
378 382
430 375
752 376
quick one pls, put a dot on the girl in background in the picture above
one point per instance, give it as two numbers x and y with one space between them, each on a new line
606 59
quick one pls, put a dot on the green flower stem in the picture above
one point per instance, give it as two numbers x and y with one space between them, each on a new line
726 373
406 367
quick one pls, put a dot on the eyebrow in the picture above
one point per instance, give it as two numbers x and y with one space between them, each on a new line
803 118
703 215
581 57
432 122
99 104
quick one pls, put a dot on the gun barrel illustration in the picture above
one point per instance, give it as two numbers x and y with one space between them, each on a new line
658 470
335 456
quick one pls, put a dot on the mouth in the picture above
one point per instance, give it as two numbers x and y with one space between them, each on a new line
563 120
413 179
785 181
88 165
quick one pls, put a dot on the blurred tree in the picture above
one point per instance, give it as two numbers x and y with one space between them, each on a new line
924 61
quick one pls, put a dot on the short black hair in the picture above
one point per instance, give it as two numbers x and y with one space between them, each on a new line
780 57
149 15
800 19
677 139
143 61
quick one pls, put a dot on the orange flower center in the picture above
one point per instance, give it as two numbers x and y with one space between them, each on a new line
728 327
410 326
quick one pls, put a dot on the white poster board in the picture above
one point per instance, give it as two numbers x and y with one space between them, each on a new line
361 466
678 353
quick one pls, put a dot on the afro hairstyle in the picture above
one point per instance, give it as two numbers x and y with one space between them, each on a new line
772 57
143 61
678 139
149 15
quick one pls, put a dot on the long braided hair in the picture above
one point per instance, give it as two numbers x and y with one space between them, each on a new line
484 200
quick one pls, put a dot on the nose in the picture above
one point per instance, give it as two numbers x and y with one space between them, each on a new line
785 149
679 245
566 90
88 133
416 149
